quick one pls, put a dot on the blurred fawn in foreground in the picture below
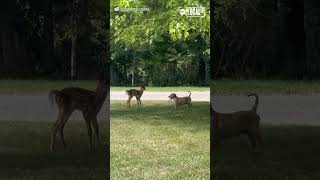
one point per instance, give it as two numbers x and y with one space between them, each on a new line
88 102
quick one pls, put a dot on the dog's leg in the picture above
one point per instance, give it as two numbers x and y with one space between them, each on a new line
258 136
252 139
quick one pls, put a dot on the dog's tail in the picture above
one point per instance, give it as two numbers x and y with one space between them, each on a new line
52 95
256 103
211 108
189 93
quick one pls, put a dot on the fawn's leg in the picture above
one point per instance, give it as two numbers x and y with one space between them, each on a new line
55 128
64 120
137 101
96 129
88 120
128 101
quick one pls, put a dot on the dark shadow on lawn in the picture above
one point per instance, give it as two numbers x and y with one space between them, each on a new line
287 152
26 152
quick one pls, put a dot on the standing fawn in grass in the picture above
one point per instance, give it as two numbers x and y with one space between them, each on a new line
136 93
88 102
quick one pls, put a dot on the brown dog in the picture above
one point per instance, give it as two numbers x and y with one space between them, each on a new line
178 101
136 93
226 125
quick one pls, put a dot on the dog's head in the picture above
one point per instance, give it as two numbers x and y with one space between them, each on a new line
172 96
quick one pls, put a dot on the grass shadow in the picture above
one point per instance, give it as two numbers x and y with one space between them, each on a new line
287 152
24 153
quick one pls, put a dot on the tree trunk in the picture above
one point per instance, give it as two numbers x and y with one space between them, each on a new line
74 38
73 55
312 31
207 70
48 36
132 77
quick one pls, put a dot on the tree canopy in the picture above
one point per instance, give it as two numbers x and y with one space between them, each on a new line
160 45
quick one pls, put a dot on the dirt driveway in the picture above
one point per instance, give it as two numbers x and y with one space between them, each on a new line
273 109
195 95
276 109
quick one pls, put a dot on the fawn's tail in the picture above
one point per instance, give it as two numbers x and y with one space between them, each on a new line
127 92
52 95
189 93
256 103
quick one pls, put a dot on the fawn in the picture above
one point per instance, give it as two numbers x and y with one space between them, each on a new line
88 102
136 93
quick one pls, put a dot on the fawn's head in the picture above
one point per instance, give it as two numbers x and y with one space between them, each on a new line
142 87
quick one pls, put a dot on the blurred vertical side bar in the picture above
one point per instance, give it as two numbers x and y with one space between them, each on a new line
107 68
212 35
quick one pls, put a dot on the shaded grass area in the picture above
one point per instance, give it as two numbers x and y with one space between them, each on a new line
287 152
239 87
159 142
24 153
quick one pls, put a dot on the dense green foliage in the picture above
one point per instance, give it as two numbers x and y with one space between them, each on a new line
159 47
266 39
37 36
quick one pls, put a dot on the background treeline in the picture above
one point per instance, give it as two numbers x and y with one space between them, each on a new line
159 47
266 39
40 38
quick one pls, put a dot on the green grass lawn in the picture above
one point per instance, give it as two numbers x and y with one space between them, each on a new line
24 153
228 87
159 142
288 152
